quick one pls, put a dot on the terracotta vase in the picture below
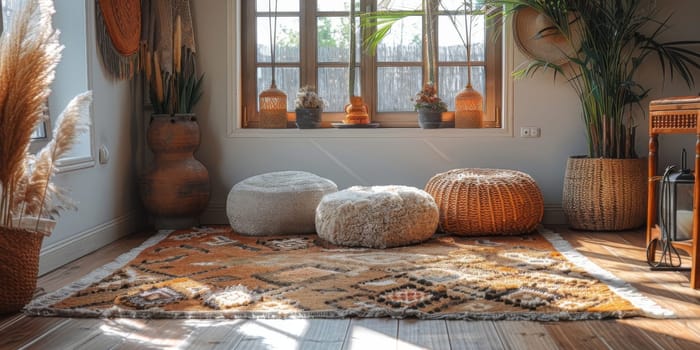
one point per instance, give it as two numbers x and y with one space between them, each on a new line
175 189
19 267
357 112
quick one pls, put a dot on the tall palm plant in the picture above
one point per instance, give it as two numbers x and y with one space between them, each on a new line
607 41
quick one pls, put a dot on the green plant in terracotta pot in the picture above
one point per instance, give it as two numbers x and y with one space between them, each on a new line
601 46
176 188
308 107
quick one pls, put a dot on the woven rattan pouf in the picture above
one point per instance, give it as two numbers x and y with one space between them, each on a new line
282 202
486 201
377 216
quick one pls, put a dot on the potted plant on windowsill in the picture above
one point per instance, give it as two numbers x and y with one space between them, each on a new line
601 46
308 107
175 189
429 107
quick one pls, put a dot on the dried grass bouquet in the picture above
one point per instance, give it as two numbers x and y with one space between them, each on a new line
29 53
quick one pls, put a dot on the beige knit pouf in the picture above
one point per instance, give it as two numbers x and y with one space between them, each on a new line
377 216
282 202
486 201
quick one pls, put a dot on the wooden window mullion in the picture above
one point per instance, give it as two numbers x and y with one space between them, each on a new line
368 65
308 39
248 60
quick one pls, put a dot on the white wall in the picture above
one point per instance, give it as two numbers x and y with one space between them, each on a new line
105 194
412 160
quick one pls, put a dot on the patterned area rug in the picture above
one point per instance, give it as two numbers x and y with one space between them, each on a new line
212 272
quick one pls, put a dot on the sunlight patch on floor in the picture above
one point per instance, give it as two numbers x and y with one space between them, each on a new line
653 329
135 332
360 338
274 334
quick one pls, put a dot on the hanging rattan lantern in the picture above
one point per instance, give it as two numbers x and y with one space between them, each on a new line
273 108
273 101
469 108
469 104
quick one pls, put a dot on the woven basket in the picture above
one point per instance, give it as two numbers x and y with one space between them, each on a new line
605 194
486 201
19 266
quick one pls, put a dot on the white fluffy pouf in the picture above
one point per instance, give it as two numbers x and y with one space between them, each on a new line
276 203
377 216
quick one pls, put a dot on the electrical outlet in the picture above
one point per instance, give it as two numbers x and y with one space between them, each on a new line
529 131
103 154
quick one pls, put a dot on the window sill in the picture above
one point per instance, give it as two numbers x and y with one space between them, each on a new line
369 133
74 163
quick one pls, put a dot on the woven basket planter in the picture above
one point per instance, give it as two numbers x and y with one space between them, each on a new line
19 266
486 201
605 194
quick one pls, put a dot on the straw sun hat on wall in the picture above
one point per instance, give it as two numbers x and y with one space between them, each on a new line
537 43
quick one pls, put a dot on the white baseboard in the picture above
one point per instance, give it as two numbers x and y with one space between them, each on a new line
88 241
215 214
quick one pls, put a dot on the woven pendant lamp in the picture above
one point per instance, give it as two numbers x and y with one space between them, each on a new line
469 104
273 107
273 101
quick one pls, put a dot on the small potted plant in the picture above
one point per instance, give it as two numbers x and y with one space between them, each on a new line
429 107
308 107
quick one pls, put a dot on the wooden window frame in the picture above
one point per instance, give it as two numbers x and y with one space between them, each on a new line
368 65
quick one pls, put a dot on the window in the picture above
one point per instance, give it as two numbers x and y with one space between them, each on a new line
312 48
71 20
8 8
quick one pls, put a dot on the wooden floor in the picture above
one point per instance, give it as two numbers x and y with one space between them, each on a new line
621 253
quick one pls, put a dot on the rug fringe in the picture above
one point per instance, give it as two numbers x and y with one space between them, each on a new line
154 313
649 307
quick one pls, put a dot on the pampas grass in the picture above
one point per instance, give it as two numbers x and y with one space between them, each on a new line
39 191
29 53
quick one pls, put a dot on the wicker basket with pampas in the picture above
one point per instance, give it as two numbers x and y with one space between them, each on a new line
29 53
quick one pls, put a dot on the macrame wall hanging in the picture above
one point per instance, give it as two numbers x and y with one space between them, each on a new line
118 26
